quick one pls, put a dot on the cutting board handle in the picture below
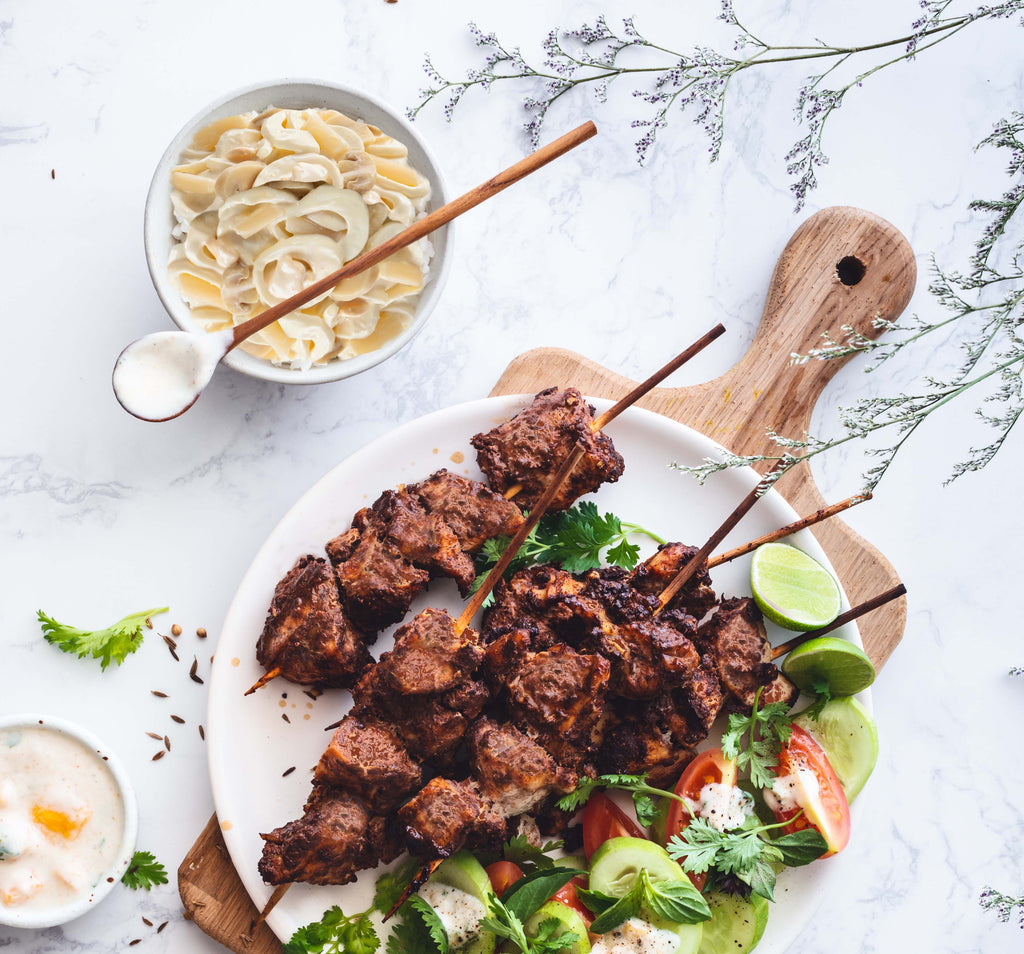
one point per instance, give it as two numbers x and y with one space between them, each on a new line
843 268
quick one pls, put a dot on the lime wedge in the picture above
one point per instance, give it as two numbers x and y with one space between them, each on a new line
792 589
850 739
844 666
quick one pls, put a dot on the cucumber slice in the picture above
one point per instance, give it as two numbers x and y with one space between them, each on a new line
616 865
736 924
464 873
849 737
569 921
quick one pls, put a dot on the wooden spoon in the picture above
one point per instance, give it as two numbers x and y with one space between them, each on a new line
160 376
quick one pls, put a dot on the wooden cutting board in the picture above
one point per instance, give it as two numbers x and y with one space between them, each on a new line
843 267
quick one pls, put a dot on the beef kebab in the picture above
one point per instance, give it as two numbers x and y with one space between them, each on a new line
325 613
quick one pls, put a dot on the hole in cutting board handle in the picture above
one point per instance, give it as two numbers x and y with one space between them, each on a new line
850 270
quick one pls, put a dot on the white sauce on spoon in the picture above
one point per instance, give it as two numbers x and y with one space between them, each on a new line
161 375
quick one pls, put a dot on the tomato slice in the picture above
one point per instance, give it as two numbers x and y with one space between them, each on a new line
503 874
710 766
567 895
603 819
826 808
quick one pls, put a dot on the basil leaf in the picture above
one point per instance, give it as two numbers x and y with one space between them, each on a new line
526 895
761 879
596 901
801 847
677 901
625 908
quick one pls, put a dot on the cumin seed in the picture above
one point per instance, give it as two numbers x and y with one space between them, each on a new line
147 922
284 715
158 693
287 772
162 926
154 735
178 719
159 755
202 733
167 743
192 671
137 940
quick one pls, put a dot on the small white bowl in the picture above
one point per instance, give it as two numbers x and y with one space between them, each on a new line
15 917
296 94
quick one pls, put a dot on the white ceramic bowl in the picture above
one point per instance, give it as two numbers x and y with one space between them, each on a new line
15 917
296 94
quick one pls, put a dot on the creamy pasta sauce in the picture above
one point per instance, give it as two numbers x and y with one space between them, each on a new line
61 819
267 203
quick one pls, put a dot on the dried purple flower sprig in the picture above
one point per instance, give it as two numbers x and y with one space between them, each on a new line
696 82
984 315
1003 905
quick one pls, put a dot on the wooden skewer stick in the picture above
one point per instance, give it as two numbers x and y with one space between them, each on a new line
263 680
693 564
491 580
419 228
655 379
823 514
278 893
421 876
841 620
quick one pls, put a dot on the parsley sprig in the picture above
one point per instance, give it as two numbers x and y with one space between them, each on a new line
753 741
113 644
144 871
335 933
643 795
744 852
677 901
573 538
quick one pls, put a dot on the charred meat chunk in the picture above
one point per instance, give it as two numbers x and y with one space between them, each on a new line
377 582
560 695
368 759
528 449
429 655
307 633
472 510
423 538
656 572
447 815
532 601
513 771
335 838
736 636
635 745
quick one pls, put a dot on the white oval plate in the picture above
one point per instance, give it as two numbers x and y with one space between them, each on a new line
251 745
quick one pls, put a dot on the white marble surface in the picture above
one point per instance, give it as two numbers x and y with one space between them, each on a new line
101 514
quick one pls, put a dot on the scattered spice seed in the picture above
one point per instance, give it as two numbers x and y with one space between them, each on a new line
175 630
137 940
162 926
159 755
147 922
178 719
287 772
284 715
149 623
158 693
167 743
192 671
201 633
154 735
202 733
53 173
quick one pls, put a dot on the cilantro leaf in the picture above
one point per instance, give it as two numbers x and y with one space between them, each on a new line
113 644
410 934
753 741
392 884
519 851
431 922
335 933
144 871
822 697
574 538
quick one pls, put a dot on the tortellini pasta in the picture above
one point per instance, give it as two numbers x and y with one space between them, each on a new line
268 203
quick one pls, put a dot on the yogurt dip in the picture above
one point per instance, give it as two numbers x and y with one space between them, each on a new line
67 822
